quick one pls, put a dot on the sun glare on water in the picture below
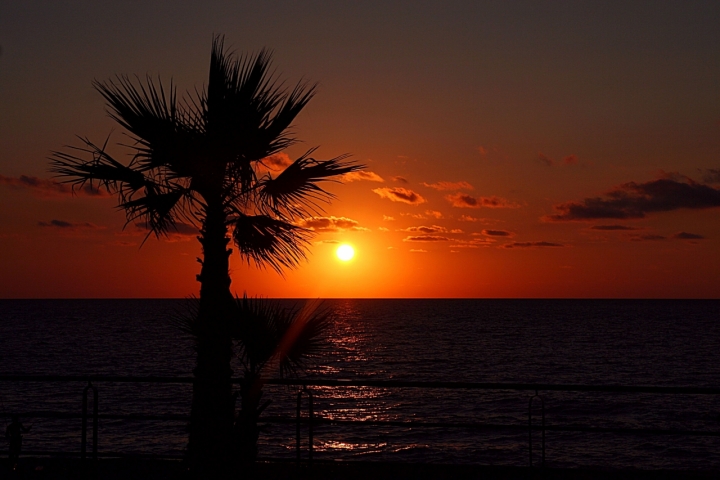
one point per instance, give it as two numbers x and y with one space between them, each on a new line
345 252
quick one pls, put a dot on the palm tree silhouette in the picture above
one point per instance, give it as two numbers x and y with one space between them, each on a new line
200 160
271 337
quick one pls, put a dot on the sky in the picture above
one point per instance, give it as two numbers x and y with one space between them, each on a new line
539 149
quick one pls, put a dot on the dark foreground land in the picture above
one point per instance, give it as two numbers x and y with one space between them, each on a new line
56 469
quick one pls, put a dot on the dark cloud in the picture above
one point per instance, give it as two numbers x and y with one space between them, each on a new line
67 225
361 175
399 179
426 238
425 230
545 159
612 227
711 175
569 160
647 238
461 200
532 244
688 236
180 232
400 194
635 200
46 186
497 233
330 224
449 185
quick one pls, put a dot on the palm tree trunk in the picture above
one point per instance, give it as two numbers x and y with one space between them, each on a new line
213 405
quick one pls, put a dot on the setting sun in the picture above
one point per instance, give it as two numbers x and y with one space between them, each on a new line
345 252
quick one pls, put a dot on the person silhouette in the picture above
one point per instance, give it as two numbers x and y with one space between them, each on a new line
13 433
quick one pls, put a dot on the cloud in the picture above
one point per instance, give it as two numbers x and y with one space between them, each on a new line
636 200
277 161
122 243
449 185
387 218
399 179
643 238
425 230
688 236
461 200
383 229
361 175
45 186
497 233
181 232
482 151
532 244
456 230
570 160
331 242
418 250
473 243
433 213
612 227
467 218
330 224
711 175
400 194
545 159
416 216
426 238
62 224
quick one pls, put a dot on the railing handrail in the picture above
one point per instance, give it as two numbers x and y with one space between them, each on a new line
379 383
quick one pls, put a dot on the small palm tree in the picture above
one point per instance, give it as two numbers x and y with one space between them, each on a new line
271 337
201 160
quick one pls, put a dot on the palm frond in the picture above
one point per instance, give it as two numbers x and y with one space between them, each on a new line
157 209
100 169
305 337
296 189
141 196
257 332
269 333
269 241
162 136
247 112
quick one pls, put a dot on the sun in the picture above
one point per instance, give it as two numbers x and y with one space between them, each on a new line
345 252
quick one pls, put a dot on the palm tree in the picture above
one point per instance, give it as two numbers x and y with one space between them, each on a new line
271 337
200 160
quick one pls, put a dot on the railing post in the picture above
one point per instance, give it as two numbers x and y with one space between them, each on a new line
298 419
530 429
83 440
297 427
310 427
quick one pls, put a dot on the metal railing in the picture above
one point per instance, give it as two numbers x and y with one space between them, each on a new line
312 420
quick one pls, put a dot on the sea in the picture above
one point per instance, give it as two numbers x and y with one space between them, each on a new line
578 342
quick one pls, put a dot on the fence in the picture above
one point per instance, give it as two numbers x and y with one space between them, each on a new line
535 427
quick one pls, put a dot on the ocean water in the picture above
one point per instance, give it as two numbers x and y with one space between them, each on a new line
593 342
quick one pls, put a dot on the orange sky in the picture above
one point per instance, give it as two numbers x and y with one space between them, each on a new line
525 150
